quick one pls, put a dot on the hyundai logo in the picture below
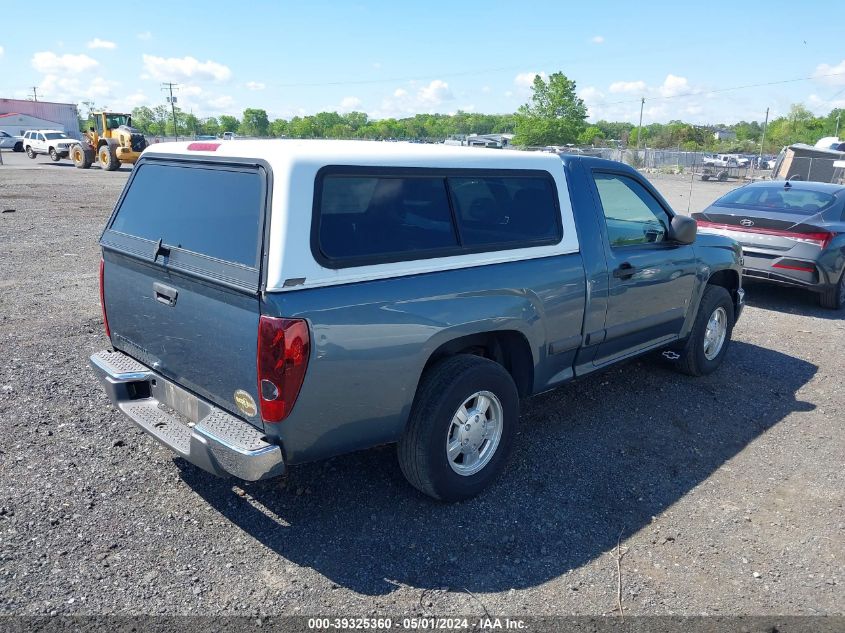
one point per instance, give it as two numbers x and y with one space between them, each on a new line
746 222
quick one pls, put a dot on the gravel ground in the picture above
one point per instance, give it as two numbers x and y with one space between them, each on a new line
725 493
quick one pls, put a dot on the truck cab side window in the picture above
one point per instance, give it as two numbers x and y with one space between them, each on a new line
632 214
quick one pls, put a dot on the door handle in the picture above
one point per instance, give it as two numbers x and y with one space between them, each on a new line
625 271
165 294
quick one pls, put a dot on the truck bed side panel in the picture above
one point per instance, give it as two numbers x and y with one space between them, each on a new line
371 341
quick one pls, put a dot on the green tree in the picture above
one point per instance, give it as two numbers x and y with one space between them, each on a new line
279 128
255 123
591 136
143 119
211 126
555 114
228 123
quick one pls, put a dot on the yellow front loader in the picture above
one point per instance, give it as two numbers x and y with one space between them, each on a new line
110 140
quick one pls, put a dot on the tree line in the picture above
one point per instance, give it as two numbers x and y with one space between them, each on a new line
554 115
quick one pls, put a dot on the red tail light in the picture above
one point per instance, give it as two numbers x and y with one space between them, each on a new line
103 298
283 350
819 238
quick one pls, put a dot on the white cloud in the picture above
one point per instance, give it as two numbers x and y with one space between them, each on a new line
2 51
627 86
57 87
590 93
255 85
145 36
348 104
48 62
831 75
435 93
598 39
134 100
508 93
525 80
184 68
221 102
101 88
486 89
426 98
673 86
98 43
190 90
821 106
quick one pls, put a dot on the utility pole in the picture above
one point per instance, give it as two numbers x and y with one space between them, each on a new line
640 127
763 140
838 114
166 85
35 93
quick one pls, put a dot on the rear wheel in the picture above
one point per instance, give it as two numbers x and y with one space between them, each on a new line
108 159
18 147
54 155
462 428
30 152
708 341
834 298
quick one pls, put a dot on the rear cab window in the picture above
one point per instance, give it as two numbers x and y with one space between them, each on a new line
201 218
368 216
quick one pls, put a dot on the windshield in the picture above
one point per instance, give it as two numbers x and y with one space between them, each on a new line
778 199
4 135
54 135
116 120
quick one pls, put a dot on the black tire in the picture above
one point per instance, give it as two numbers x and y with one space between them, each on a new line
442 390
834 298
692 359
705 178
18 147
82 158
723 176
108 159
30 152
54 155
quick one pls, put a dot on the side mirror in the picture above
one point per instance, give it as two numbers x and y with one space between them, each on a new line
683 229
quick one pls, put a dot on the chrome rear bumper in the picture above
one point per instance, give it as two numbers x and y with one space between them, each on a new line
200 432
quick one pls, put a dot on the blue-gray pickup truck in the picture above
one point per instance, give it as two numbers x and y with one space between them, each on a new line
270 303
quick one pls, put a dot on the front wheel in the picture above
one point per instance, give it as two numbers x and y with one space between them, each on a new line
704 350
54 155
30 152
462 428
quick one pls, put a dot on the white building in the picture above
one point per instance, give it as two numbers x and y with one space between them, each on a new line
18 115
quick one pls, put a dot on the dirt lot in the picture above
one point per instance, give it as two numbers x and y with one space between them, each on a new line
726 492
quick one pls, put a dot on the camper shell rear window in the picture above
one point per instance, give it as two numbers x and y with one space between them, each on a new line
373 215
205 218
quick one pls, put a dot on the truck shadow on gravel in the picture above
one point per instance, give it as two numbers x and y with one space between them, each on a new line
594 460
788 300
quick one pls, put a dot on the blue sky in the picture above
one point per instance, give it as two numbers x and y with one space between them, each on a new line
400 58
